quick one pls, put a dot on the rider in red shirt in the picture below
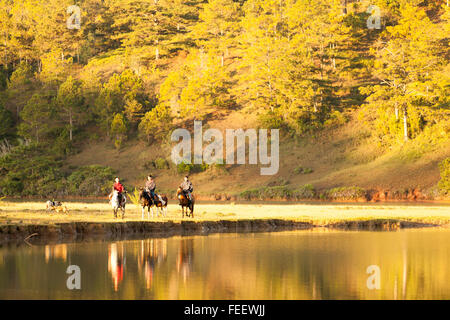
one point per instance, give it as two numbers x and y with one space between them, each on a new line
119 187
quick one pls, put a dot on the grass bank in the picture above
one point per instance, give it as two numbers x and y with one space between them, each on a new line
22 219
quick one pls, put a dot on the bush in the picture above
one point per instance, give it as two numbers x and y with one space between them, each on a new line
187 168
299 170
91 180
279 192
30 171
184 167
305 192
345 193
444 183
161 163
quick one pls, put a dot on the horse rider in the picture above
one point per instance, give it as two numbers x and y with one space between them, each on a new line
150 186
187 187
119 188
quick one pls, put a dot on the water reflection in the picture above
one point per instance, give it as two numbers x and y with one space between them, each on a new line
185 258
152 253
116 263
414 264
58 251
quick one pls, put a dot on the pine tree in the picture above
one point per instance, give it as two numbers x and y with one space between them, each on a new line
70 105
156 123
35 116
118 129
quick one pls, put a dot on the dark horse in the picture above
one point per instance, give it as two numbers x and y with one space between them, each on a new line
185 203
146 201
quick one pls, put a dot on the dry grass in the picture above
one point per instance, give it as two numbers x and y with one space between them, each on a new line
35 213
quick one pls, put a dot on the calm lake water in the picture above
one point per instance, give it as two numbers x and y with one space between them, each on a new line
314 264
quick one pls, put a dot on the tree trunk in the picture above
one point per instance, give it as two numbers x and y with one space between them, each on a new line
70 126
396 112
344 9
405 124
6 50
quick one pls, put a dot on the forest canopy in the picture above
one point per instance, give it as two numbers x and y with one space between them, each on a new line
125 69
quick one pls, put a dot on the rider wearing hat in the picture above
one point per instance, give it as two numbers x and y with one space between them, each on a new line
150 187
187 187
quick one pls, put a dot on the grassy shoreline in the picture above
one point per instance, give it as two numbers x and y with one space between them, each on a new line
21 219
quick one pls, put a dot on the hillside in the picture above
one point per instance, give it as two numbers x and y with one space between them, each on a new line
360 97
338 157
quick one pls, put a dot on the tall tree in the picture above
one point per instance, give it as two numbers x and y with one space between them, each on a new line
70 104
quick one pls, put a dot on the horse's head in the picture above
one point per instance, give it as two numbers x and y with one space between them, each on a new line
180 194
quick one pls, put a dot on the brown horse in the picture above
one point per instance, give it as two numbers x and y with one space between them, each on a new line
146 201
185 203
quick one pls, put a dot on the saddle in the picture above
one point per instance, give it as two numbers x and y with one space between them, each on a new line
186 195
148 195
122 199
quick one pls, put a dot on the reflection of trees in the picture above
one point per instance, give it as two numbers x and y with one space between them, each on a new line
116 263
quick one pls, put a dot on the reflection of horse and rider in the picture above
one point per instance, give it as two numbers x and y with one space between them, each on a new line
116 263
149 198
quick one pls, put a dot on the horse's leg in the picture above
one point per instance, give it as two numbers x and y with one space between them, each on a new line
143 210
151 208
123 213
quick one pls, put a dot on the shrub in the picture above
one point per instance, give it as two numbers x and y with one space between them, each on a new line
90 180
29 170
186 168
305 192
444 183
279 192
345 193
336 118
134 196
161 163
300 169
